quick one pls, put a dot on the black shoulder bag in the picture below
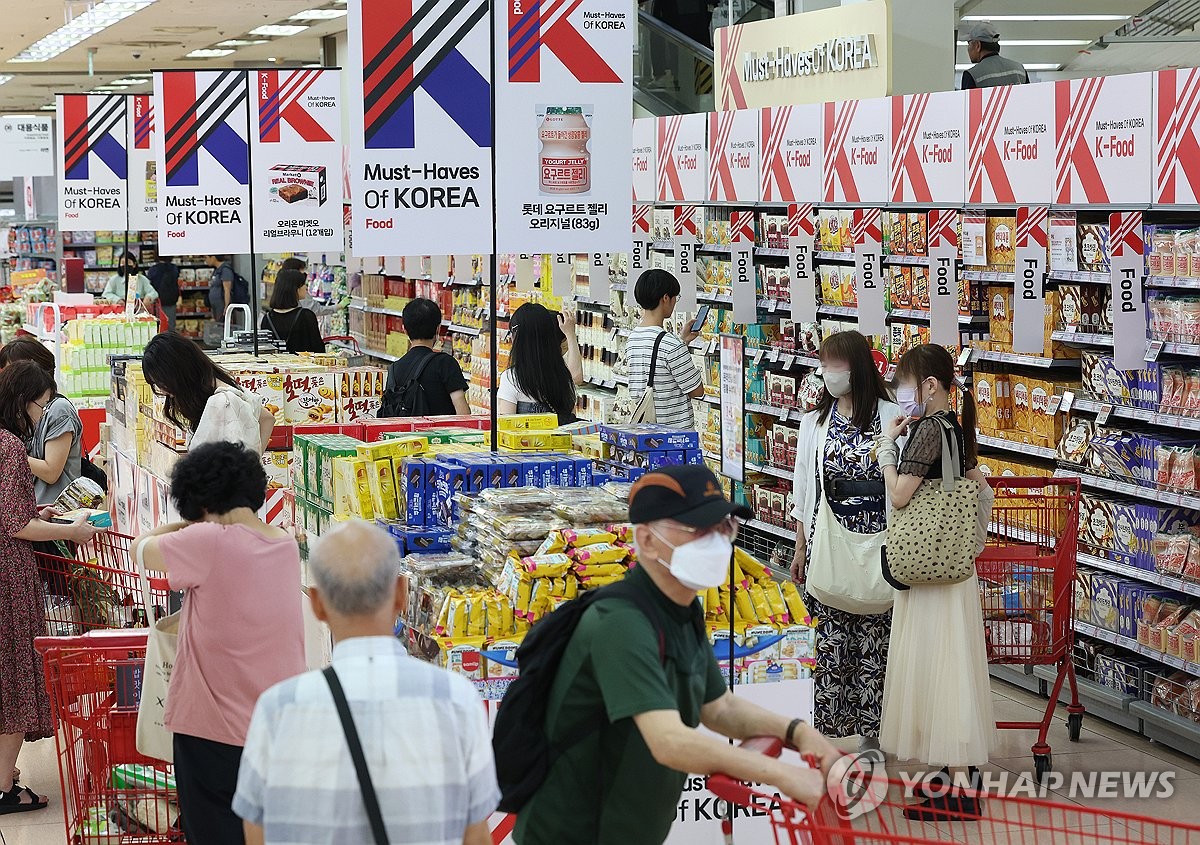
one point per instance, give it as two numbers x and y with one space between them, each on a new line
370 799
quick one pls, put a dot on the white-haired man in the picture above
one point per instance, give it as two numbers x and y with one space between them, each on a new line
423 736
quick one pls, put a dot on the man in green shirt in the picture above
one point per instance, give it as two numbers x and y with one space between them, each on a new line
625 704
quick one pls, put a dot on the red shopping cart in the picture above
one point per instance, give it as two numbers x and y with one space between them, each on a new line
111 793
868 807
1027 590
96 587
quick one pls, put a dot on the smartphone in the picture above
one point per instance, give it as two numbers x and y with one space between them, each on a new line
701 318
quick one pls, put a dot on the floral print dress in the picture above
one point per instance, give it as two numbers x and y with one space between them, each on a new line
851 649
24 702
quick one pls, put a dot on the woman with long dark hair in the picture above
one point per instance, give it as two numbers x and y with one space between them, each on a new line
292 325
837 488
541 375
201 398
25 391
937 699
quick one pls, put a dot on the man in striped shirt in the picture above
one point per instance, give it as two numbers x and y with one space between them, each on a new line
677 379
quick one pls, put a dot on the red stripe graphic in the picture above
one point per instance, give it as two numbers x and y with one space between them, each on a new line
1178 150
741 227
1031 225
641 218
1126 229
800 220
907 114
774 170
987 107
943 227
720 177
668 174
685 220
839 117
866 225
1073 152
732 95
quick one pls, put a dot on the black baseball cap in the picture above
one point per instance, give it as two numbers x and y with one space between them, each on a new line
690 495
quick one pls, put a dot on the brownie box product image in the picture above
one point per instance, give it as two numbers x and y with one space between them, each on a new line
298 184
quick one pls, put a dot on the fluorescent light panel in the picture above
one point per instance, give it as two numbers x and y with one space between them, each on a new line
6 77
208 54
1026 65
278 29
318 15
1039 42
82 27
1038 18
241 42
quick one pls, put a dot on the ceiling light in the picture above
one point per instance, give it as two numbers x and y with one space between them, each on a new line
6 77
278 29
82 27
318 15
241 42
1039 18
208 54
1026 65
50 107
1039 42
130 81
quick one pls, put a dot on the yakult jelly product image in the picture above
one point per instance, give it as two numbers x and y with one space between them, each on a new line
565 163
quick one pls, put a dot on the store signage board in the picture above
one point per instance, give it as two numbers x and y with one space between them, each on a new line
562 274
564 96
1029 298
857 146
526 272
687 269
296 160
1102 130
1128 270
143 169
639 258
645 159
682 142
929 148
600 278
733 156
802 230
741 259
1011 152
943 277
30 201
420 127
203 162
973 243
733 406
93 161
1177 137
791 153
26 146
868 271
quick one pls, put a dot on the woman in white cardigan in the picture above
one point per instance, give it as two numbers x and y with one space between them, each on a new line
841 517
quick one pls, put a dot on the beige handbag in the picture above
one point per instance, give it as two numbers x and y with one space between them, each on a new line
162 644
935 538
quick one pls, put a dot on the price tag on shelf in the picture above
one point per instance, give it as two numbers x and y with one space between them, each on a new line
789 361
1153 349
1066 401
712 346
964 356
891 373
1104 413
756 355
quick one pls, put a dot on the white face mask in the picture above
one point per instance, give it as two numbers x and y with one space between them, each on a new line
837 384
699 564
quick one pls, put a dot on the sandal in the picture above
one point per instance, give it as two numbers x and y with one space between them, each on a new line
10 802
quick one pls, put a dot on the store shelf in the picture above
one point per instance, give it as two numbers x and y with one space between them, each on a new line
194 315
1023 360
1131 488
1020 448
374 353
663 246
1192 349
1185 282
789 360
1139 414
784 414
902 315
387 311
1082 338
1080 276
1191 588
1019 676
187 288
1109 704
782 533
767 469
838 311
771 252
822 255
910 260
609 384
1001 278
464 330
714 249
43 255
1133 645
715 298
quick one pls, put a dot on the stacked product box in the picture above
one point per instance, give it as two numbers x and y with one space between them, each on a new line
1021 407
1125 532
632 451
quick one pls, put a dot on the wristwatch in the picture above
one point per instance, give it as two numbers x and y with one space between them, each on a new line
789 737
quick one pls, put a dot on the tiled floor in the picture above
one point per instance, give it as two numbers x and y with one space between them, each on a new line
1102 747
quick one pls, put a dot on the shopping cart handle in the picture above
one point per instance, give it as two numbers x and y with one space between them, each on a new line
734 791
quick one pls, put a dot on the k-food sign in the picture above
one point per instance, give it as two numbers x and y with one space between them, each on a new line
143 170
93 162
203 162
421 127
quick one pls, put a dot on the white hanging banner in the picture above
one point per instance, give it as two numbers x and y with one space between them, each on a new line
855 165
741 257
801 236
928 148
791 154
562 274
1102 131
682 146
872 307
143 168
645 159
1177 137
733 156
420 126
733 405
1127 272
203 162
564 89
943 277
687 269
296 152
1029 298
1011 152
526 273
93 162
439 267
599 280
26 146
639 258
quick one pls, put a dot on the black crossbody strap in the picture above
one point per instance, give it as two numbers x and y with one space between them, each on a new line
370 799
654 357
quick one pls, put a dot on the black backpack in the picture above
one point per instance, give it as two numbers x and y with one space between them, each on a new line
522 749
409 399
240 289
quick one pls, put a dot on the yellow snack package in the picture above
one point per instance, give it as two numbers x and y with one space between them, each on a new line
599 553
580 537
572 586
750 566
495 623
601 570
546 566
524 589
476 614
743 605
738 576
553 544
795 604
623 531
443 619
758 597
779 611
591 582
507 617
456 627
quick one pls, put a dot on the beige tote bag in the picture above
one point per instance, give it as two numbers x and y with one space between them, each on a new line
162 644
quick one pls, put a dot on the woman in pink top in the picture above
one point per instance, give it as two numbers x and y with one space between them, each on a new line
241 631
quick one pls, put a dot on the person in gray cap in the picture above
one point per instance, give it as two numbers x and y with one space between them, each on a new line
991 69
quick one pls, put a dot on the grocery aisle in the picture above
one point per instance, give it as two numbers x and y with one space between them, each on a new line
1102 747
